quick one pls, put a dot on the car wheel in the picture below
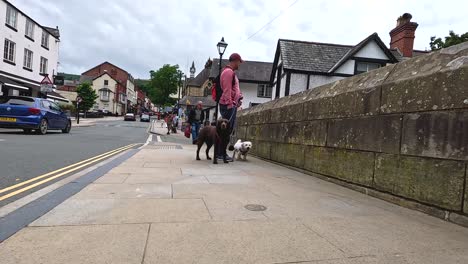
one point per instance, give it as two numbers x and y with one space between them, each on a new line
42 127
67 129
27 130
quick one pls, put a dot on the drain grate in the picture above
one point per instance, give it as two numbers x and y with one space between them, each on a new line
165 147
255 207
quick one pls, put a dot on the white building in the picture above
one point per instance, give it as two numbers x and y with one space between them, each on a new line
302 65
106 87
30 52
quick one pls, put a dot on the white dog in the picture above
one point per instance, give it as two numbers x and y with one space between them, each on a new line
241 149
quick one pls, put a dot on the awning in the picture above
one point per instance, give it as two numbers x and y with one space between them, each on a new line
57 96
10 83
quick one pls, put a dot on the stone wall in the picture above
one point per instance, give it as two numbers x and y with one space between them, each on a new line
400 130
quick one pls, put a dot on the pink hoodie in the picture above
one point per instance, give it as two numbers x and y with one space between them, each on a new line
231 93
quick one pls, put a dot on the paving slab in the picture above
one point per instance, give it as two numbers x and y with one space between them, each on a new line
91 244
125 191
122 211
388 234
113 178
236 242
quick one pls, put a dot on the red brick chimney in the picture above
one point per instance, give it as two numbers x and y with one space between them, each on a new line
402 36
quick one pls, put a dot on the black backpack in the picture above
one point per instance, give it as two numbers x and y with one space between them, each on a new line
216 90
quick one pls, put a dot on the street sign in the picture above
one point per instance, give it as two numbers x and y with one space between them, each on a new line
46 85
47 88
59 80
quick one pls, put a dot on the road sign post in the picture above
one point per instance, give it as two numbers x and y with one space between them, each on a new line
78 101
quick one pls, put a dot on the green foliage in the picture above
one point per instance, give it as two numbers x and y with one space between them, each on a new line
450 40
70 107
69 77
163 83
88 95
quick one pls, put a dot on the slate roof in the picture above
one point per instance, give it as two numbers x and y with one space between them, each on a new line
252 71
319 57
53 31
200 79
400 57
311 56
206 100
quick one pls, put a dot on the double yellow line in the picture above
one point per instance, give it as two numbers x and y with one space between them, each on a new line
61 172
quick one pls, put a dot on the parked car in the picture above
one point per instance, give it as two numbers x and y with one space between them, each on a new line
145 117
28 113
129 117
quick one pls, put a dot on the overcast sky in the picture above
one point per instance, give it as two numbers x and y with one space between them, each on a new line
141 35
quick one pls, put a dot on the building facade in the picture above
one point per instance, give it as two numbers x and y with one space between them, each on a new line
303 65
30 52
125 95
106 89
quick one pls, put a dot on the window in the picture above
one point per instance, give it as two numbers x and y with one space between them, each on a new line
105 95
362 67
45 39
123 98
43 66
11 16
106 82
45 104
54 106
9 51
264 90
28 59
29 29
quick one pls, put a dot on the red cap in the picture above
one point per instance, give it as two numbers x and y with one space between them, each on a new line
235 56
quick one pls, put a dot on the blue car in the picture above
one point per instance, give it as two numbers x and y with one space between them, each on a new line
28 113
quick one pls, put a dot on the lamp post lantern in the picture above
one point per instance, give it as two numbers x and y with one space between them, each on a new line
222 45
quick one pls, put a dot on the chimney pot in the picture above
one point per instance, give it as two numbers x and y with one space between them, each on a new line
402 36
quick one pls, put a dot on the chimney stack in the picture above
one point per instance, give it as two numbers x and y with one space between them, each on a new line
402 36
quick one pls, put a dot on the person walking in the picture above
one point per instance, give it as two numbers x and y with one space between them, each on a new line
175 123
196 117
231 98
169 123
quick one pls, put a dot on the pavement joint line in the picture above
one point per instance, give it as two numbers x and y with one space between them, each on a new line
61 169
61 174
146 244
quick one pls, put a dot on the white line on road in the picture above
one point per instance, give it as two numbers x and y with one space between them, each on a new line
150 138
2 139
159 139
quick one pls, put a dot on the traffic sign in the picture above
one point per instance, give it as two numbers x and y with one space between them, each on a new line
46 85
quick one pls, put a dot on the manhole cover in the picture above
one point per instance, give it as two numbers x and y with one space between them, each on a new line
255 207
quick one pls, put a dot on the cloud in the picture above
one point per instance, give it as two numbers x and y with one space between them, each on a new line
143 35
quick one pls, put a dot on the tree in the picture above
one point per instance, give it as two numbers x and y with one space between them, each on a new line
163 83
450 40
88 96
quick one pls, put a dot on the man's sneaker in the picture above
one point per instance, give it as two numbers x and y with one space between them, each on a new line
229 159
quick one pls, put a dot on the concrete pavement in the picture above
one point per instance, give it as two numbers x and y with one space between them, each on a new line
162 206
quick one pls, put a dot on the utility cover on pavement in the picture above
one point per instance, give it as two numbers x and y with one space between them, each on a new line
255 207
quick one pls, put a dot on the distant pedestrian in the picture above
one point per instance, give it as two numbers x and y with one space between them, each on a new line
175 123
169 123
196 117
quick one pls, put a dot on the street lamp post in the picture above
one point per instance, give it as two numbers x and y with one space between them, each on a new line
178 97
222 45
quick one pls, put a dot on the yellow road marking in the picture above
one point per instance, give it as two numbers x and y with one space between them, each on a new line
62 169
59 175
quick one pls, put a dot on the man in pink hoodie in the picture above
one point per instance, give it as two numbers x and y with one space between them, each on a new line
231 98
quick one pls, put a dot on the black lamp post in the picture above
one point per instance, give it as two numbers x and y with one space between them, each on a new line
221 49
180 87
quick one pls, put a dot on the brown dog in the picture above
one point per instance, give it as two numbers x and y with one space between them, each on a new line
217 135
